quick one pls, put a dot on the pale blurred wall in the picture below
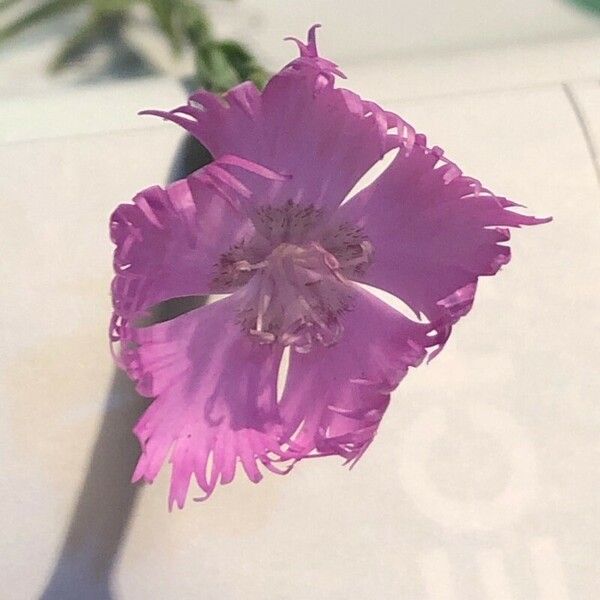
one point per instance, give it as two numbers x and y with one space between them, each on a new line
356 30
363 29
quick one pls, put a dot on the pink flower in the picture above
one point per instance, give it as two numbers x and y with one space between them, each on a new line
266 224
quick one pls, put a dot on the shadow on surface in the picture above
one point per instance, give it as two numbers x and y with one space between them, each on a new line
106 500
100 519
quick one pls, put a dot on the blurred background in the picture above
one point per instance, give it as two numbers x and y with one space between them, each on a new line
89 40
484 479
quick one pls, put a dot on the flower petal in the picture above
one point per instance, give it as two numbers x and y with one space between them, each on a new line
335 397
434 232
216 398
324 138
167 243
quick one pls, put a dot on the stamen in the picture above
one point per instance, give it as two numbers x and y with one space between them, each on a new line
295 288
350 247
289 222
235 268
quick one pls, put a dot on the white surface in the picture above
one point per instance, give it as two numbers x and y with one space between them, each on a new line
483 481
93 109
381 28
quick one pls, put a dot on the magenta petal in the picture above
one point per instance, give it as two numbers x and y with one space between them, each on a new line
324 138
267 222
335 397
167 244
434 232
242 183
215 401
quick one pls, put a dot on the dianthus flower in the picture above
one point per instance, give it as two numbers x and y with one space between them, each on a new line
270 224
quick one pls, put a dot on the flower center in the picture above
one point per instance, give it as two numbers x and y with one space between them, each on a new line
296 297
294 288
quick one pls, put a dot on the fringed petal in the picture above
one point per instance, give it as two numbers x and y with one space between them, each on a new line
335 398
167 244
215 403
324 138
169 241
434 232
266 221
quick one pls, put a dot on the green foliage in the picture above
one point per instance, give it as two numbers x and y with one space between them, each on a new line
36 15
219 63
593 5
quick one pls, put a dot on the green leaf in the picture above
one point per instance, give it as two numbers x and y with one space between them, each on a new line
167 14
197 28
7 3
37 15
244 64
219 64
78 45
592 5
106 7
213 71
